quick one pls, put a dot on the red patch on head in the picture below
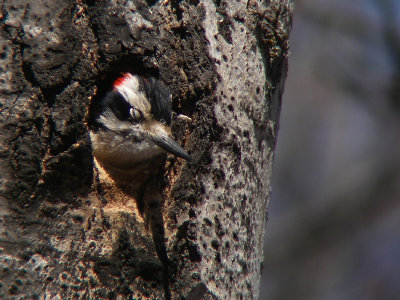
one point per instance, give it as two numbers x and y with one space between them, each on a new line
120 80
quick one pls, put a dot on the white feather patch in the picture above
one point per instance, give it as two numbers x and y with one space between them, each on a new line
129 88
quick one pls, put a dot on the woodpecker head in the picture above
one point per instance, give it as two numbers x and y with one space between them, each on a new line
131 124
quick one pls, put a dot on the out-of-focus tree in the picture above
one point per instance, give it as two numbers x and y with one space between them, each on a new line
334 213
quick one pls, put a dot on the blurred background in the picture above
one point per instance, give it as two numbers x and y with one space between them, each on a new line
334 217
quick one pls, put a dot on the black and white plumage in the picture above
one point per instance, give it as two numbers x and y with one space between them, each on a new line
132 123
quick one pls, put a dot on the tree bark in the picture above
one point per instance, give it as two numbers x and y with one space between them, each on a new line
62 237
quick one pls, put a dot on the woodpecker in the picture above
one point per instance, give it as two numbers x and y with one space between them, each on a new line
131 124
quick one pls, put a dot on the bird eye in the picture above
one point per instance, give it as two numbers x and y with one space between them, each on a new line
135 114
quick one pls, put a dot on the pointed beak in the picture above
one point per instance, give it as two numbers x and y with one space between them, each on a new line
169 145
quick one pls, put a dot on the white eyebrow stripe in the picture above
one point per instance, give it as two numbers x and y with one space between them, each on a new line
128 86
130 90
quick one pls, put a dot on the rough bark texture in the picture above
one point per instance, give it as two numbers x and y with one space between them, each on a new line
225 63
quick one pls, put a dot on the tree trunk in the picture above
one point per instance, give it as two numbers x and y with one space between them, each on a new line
64 232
